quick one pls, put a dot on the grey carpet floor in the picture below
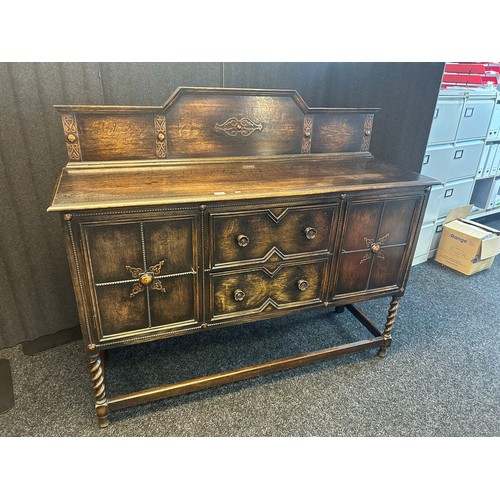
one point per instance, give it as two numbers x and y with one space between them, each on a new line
441 376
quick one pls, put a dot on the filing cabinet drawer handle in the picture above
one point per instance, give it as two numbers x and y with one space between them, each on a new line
311 232
449 192
243 240
439 228
239 295
436 113
468 112
426 159
302 285
458 154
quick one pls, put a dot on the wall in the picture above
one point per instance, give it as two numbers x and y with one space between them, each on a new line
37 296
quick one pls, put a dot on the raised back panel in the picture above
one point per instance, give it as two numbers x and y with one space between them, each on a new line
213 122
201 125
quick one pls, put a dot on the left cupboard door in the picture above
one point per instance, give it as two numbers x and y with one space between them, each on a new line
143 275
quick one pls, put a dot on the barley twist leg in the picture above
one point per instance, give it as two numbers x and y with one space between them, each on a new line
101 404
389 325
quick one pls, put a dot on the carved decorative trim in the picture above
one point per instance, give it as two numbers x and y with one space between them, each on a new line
161 136
71 134
146 278
234 126
367 133
306 140
375 248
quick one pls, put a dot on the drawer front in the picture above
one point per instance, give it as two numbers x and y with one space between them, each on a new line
446 117
475 119
143 274
455 194
435 198
375 244
253 236
437 161
266 290
465 160
424 239
436 236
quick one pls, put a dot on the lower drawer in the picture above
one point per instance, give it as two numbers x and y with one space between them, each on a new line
266 289
456 193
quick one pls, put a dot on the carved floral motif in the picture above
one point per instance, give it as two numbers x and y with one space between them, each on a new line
375 248
146 278
234 126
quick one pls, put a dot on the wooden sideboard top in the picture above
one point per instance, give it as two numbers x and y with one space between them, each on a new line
145 183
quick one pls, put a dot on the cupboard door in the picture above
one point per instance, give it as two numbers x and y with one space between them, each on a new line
374 244
143 273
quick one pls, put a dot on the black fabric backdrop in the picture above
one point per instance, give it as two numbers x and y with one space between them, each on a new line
36 292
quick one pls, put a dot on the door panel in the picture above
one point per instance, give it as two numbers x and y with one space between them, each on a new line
112 247
374 244
135 269
118 312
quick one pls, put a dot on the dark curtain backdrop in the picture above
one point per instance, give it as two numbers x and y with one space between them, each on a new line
36 291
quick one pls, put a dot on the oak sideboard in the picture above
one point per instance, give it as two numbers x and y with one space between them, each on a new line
226 206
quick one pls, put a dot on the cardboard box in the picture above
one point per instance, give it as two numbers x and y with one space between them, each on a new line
467 246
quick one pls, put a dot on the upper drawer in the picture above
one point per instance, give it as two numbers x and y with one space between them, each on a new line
256 236
445 122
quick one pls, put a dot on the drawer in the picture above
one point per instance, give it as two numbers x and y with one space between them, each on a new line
435 198
254 236
436 161
424 239
266 289
456 193
475 119
436 236
465 160
445 122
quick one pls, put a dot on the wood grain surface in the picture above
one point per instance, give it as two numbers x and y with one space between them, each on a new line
161 184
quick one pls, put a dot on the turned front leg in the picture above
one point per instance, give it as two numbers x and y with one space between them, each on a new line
101 404
389 325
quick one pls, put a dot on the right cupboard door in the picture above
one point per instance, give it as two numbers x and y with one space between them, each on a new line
375 245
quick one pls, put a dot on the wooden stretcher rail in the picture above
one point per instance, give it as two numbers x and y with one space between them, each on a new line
149 395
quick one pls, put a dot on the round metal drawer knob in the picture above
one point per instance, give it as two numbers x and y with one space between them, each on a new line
375 248
239 295
71 138
146 279
161 136
243 240
302 285
311 232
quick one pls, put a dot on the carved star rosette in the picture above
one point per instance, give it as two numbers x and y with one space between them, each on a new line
375 248
146 278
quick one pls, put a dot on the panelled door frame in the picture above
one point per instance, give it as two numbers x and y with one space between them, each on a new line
88 219
421 197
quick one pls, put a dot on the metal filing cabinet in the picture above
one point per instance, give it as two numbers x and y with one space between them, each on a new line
458 155
475 116
424 242
465 159
437 161
446 118
456 193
